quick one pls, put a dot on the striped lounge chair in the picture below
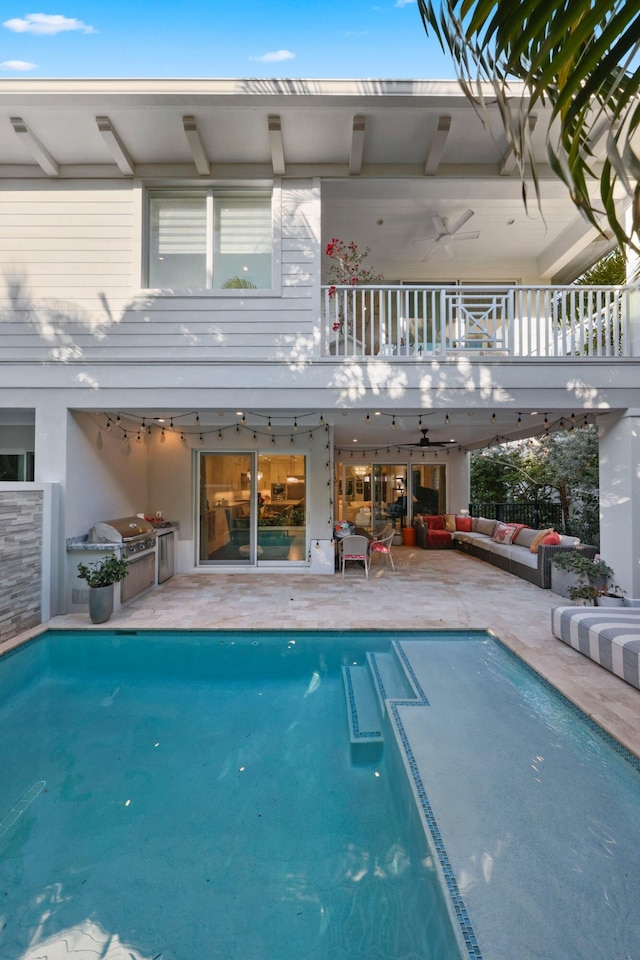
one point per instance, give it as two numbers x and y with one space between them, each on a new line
610 636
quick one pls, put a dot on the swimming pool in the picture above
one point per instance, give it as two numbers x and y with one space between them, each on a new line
177 795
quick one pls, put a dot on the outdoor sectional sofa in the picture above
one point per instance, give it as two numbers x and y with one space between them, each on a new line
518 549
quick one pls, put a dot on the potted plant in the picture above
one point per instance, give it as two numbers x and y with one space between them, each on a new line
611 595
572 569
584 593
100 577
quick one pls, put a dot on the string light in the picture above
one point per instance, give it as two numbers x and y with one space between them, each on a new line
118 420
125 437
367 420
295 425
269 427
200 439
171 427
446 418
393 423
519 420
493 418
197 420
108 426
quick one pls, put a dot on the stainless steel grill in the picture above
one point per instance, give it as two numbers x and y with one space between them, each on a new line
134 533
137 538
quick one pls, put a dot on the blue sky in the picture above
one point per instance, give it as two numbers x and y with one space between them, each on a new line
221 38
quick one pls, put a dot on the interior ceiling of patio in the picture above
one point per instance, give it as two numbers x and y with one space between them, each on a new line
392 155
466 428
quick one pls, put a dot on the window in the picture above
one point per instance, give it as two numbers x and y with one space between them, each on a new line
210 239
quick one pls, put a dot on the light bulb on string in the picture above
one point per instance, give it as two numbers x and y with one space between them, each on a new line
108 426
420 420
393 422
125 437
149 431
446 418
237 428
295 424
182 436
493 418
143 424
162 436
273 441
519 420
321 421
255 436
200 439
139 437
269 427
171 427
118 420
197 420
219 434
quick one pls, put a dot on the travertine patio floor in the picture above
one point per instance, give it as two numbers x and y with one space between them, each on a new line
428 590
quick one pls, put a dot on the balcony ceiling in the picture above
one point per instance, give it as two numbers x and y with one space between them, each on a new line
392 155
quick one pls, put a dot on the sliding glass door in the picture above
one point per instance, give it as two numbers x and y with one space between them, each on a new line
252 509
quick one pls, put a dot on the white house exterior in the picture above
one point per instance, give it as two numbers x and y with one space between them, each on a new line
138 375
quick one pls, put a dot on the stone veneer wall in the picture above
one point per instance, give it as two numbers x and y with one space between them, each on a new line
21 518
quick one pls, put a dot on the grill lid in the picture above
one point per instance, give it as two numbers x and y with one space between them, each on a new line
120 530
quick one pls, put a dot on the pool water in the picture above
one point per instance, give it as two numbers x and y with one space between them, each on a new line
183 796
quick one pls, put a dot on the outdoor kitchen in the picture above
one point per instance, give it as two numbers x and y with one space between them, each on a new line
146 545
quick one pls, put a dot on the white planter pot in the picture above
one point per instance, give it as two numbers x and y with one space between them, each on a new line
610 601
100 603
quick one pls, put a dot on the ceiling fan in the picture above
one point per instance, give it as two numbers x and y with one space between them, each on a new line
424 441
445 234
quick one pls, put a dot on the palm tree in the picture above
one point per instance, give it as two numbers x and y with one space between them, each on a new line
580 56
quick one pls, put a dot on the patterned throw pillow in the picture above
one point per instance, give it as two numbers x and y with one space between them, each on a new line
450 522
504 533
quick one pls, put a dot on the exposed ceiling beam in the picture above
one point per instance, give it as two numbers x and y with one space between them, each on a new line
436 149
39 152
357 144
276 145
196 146
115 146
508 162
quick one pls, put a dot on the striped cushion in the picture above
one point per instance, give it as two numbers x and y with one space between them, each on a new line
610 637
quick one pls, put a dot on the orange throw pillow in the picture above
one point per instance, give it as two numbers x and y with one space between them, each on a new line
552 539
537 540
463 524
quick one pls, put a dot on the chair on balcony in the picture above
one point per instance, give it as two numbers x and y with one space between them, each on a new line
382 544
355 548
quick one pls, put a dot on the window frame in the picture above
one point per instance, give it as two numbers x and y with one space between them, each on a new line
209 190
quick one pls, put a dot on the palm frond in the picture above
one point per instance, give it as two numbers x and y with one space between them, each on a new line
578 56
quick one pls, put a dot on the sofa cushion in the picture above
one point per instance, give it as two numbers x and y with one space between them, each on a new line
439 538
450 522
434 523
527 536
567 541
504 533
487 527
464 524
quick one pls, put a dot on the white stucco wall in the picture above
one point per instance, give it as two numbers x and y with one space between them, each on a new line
619 438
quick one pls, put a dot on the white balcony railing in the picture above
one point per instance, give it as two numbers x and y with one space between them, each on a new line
516 321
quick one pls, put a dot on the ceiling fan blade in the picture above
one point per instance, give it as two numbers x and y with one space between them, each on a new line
460 222
439 224
449 250
429 253
472 235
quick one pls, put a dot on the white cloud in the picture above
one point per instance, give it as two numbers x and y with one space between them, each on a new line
18 65
46 23
275 56
404 3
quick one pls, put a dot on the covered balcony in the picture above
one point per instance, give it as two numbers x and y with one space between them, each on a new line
429 321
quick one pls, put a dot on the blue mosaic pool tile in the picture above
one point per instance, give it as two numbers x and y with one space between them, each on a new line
453 890
356 730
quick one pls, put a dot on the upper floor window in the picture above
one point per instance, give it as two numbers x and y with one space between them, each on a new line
210 239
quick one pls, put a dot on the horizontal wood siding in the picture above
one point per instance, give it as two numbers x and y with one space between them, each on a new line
70 261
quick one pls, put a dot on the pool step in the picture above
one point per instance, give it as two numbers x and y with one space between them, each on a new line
362 707
389 679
